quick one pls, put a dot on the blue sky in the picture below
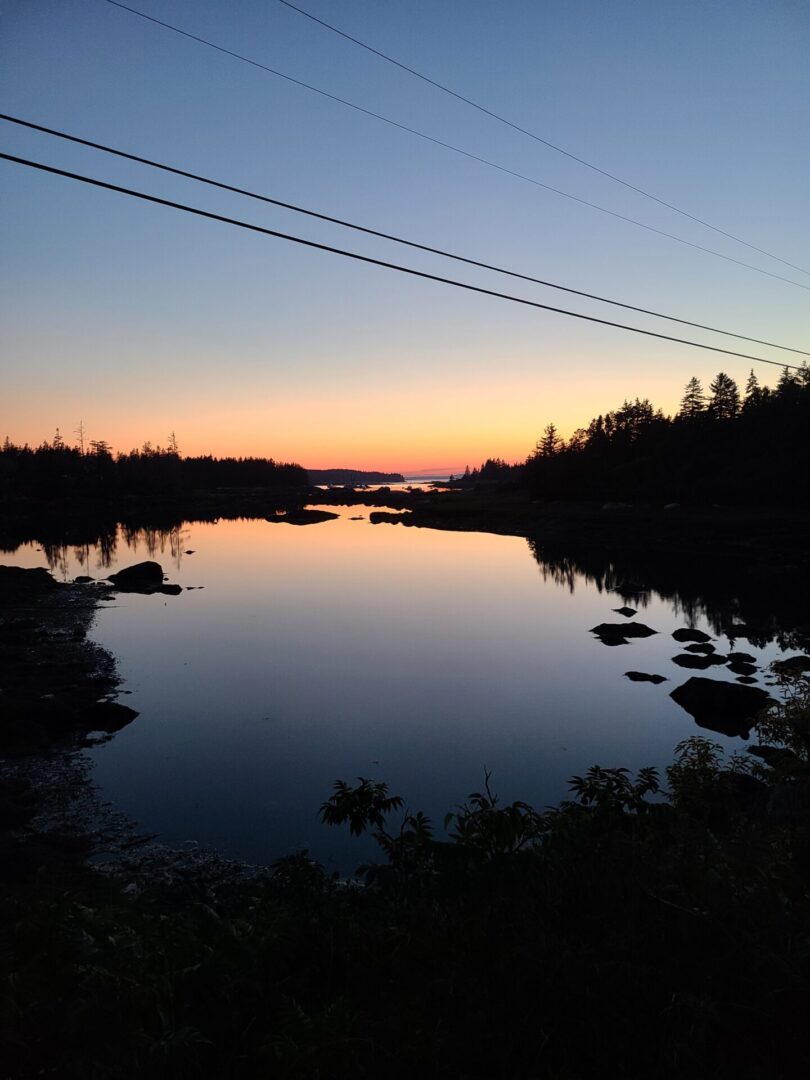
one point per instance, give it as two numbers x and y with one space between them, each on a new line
139 320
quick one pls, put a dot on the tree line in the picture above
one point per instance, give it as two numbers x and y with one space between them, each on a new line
724 445
56 469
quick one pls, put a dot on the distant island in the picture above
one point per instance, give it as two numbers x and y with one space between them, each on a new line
353 476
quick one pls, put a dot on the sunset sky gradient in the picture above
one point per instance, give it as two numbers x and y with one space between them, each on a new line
139 321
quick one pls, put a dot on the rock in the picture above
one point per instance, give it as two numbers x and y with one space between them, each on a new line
721 706
642 676
741 668
746 680
358 517
142 577
628 612
614 641
302 517
626 630
698 663
701 648
191 552
743 657
171 590
792 665
16 581
688 634
108 716
82 579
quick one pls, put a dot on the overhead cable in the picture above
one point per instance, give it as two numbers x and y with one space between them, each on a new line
378 262
450 146
533 135
382 235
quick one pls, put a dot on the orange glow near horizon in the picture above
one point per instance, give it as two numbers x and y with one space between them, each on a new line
445 425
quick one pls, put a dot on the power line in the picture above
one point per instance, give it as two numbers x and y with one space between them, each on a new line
378 262
532 135
450 146
382 235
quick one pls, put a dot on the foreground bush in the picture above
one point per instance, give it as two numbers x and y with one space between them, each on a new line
627 933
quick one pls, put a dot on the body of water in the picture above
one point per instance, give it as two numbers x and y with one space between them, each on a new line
299 655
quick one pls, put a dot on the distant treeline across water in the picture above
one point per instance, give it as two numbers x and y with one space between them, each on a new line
722 446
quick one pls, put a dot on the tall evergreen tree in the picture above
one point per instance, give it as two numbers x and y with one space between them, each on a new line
551 443
753 392
724 403
693 403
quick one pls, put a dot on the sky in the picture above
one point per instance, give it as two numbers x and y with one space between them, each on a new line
138 320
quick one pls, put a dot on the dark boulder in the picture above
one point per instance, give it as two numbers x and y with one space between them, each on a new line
792 665
17 582
108 716
625 630
302 517
742 657
688 634
142 577
628 612
82 579
706 649
171 590
698 663
642 676
741 668
746 680
728 708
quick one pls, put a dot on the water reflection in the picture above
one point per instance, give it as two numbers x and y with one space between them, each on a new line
763 606
414 656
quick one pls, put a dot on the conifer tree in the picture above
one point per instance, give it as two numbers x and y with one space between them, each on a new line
724 403
693 403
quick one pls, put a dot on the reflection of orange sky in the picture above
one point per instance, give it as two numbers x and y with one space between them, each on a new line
380 424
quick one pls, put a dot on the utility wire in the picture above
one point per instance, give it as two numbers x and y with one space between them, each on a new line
532 135
450 146
377 262
382 235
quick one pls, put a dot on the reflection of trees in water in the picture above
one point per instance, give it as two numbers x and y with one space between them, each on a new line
99 549
734 602
156 541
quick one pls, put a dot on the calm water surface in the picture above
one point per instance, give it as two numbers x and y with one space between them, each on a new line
344 649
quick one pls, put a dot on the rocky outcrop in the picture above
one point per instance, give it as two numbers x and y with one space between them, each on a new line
141 577
729 708
642 676
302 517
687 633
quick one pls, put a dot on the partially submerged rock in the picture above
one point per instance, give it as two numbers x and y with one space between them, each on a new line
642 676
701 648
698 663
16 581
726 707
302 517
742 657
792 665
141 577
628 612
687 633
739 667
625 630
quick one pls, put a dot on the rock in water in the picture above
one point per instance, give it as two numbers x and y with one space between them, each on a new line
741 668
792 665
642 676
628 612
302 517
625 630
701 649
142 577
721 706
688 634
698 663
